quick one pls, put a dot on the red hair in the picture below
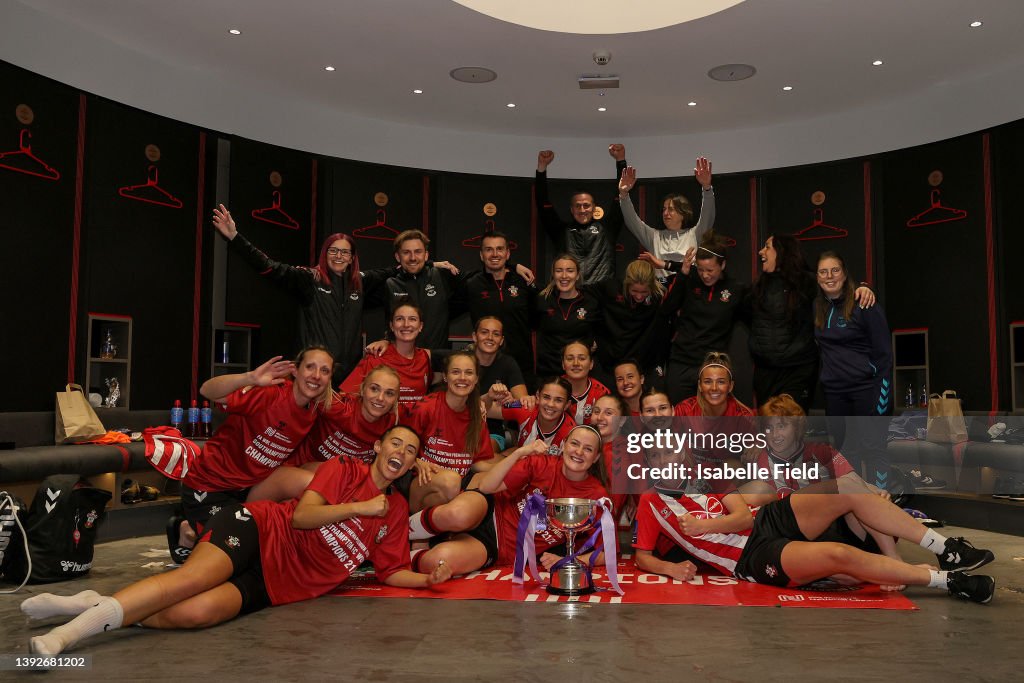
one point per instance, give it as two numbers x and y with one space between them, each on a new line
323 271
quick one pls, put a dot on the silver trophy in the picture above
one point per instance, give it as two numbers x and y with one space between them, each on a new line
572 516
114 396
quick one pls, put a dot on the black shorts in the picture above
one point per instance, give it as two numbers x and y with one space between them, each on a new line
198 506
840 532
487 530
233 530
775 527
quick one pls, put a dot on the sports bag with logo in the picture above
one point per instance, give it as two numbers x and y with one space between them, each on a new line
61 527
12 541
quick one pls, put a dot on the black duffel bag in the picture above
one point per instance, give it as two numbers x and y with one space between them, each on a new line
61 526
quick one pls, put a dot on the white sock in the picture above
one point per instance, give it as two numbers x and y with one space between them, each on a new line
939 579
933 541
47 605
106 615
418 525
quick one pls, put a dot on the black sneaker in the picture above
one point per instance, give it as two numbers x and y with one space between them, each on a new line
959 555
1005 487
922 482
977 588
179 553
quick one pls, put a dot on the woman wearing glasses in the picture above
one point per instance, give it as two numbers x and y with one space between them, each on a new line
856 366
330 292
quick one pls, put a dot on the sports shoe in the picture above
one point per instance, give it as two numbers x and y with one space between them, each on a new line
977 588
922 482
1005 487
959 555
179 553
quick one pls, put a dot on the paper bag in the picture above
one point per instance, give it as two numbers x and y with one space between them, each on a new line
945 419
75 418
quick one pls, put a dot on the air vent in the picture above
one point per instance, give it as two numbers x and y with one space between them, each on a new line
473 74
732 72
598 82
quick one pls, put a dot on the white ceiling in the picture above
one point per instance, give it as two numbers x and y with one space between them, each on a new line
939 77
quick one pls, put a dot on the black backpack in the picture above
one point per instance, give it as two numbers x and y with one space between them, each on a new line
61 527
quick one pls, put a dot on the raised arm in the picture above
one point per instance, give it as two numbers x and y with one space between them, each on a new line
493 479
549 219
274 371
644 233
706 221
296 279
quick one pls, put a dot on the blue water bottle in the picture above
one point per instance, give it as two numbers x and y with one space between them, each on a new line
177 414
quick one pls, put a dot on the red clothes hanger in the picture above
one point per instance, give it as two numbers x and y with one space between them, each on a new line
936 213
378 231
274 215
150 192
820 230
22 160
476 241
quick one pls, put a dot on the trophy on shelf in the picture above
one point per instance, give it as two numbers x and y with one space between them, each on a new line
571 516
114 392
108 349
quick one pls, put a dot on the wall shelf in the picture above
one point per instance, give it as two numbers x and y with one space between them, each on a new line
109 334
236 341
910 366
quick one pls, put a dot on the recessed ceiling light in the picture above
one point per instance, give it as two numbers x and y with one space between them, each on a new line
511 105
328 68
691 104
602 108
976 24
877 62
417 92
234 32
787 88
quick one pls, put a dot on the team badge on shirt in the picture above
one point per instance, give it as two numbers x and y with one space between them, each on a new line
90 519
725 295
594 230
581 313
233 541
381 534
513 291
430 290
354 296
771 571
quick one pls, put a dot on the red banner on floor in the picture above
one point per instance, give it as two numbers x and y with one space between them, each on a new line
495 583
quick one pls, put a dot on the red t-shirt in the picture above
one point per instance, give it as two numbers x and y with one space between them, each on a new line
831 465
657 528
690 408
413 373
299 564
583 405
263 428
443 432
536 473
616 464
737 419
529 430
343 430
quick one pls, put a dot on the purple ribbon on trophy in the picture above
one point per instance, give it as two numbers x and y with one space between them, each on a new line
607 533
532 520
